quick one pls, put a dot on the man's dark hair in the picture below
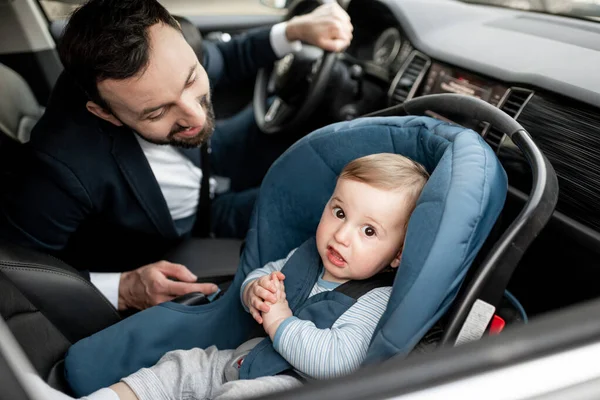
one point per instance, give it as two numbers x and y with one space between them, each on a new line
108 39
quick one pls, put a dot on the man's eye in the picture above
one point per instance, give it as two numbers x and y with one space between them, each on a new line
339 213
156 117
369 230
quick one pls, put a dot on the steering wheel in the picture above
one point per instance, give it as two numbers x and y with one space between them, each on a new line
294 86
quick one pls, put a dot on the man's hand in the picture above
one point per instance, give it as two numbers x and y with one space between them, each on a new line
327 27
279 310
259 293
150 285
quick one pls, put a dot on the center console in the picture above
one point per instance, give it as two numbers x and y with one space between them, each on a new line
442 78
445 79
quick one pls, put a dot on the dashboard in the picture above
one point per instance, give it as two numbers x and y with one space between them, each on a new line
546 51
539 69
385 52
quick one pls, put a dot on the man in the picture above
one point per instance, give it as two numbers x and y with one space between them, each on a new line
112 177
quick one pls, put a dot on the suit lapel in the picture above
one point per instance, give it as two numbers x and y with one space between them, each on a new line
136 169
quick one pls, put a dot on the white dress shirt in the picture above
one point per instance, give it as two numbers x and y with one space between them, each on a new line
179 179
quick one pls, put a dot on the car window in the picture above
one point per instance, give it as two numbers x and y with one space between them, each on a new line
59 10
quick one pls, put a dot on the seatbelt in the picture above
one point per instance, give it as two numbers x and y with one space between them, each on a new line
202 225
356 289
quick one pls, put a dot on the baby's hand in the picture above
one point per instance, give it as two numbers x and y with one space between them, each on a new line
280 310
260 293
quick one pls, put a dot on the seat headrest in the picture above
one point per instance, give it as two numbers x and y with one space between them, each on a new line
455 212
192 35
19 109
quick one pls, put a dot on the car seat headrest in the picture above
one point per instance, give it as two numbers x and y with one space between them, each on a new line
192 35
19 109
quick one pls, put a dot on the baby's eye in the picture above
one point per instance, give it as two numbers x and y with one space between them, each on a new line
369 230
339 213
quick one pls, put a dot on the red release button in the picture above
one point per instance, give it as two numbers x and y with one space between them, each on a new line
497 325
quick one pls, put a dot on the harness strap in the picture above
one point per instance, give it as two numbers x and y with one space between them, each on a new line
356 289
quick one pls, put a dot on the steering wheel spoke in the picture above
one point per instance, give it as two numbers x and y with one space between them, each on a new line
278 112
299 77
272 84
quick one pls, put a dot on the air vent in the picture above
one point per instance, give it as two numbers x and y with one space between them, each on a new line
409 77
512 104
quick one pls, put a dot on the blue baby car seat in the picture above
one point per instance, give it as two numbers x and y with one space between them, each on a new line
454 215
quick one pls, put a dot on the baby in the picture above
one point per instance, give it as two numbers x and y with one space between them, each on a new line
361 233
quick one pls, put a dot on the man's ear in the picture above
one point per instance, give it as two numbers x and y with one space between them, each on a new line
100 112
396 261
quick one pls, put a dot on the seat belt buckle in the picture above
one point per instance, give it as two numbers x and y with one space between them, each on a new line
497 325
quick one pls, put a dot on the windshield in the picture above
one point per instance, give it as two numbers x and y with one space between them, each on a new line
588 9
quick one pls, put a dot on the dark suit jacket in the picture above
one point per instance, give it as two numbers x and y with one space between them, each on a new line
85 192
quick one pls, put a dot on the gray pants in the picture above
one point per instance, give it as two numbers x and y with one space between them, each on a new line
200 374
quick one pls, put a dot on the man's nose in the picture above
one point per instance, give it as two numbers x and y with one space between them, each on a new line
342 234
191 113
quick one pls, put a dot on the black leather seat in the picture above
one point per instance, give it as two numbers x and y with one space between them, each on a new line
49 306
13 367
42 342
73 305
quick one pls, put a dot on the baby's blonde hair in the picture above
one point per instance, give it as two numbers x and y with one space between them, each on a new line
388 171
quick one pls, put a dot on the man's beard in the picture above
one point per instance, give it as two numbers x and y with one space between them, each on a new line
192 142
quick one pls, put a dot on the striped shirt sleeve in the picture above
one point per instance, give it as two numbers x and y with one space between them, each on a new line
327 353
260 272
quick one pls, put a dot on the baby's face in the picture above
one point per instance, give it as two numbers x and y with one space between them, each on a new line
361 231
